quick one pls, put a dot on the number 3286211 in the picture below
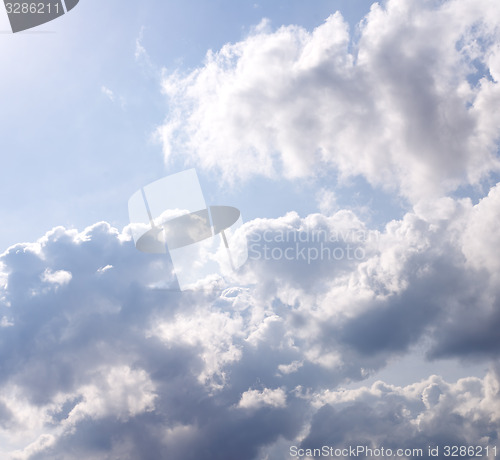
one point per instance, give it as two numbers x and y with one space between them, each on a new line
32 8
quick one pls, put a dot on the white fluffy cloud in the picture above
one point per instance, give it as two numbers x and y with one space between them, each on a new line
480 238
411 104
254 399
59 277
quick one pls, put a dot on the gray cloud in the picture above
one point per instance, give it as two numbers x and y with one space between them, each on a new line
97 362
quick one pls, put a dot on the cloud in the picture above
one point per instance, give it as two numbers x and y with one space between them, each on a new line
409 114
142 57
431 412
107 365
60 277
108 93
140 52
480 238
104 269
254 399
5 322
433 274
113 97
327 201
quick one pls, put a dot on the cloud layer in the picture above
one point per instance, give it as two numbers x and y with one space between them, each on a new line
98 363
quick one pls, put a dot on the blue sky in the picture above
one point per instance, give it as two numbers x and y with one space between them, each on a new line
312 117
71 155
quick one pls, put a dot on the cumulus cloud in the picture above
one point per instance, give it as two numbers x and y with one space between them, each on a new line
408 113
106 365
254 399
431 412
432 274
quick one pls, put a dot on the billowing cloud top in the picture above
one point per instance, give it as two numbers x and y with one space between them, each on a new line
98 363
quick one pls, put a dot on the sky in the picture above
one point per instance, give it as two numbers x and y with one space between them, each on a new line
369 130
